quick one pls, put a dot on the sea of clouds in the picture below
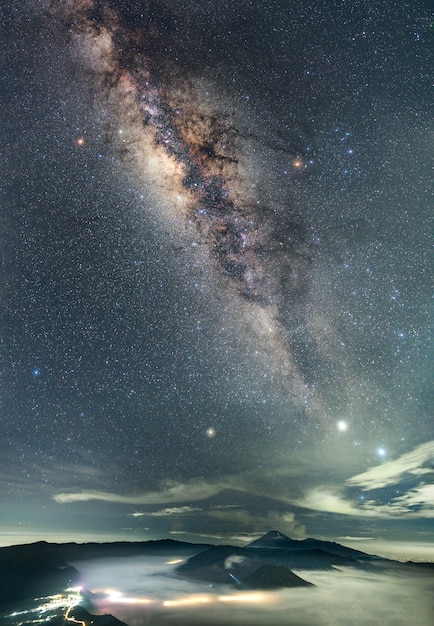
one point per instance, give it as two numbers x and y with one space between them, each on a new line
146 590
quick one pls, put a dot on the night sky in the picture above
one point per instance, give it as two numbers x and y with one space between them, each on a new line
216 270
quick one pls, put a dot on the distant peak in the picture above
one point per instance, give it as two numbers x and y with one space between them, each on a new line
273 538
274 534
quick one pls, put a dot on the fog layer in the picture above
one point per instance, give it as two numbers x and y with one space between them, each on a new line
143 590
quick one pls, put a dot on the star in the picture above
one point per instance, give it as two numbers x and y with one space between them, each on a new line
222 251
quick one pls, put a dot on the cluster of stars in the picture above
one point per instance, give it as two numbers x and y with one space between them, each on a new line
129 360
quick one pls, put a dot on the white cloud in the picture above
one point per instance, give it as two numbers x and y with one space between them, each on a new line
418 502
417 551
175 510
392 472
167 512
218 536
349 538
253 483
171 492
415 503
226 506
328 501
239 538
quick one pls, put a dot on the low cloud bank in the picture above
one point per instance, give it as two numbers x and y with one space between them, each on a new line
145 590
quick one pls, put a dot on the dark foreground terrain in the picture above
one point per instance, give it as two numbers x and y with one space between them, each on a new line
41 581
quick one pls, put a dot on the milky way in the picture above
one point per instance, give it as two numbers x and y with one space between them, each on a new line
216 282
264 255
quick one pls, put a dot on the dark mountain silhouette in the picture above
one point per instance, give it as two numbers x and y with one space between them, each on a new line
275 549
236 565
33 570
272 539
42 568
274 577
332 548
239 570
81 615
314 559
277 540
215 554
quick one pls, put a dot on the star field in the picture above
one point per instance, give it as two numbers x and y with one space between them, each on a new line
216 269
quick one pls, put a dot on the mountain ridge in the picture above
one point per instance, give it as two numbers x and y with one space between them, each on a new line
41 567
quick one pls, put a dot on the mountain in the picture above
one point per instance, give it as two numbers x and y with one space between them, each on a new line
273 539
274 548
80 615
29 573
213 555
240 570
277 540
333 548
277 553
274 577
41 568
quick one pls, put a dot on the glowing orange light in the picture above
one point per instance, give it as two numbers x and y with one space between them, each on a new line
125 600
115 596
80 141
254 597
189 601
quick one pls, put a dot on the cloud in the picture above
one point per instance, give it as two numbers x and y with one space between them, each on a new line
171 492
218 536
147 592
286 521
415 503
239 538
257 484
167 512
328 500
226 506
238 520
417 551
392 472
349 538
175 510
418 502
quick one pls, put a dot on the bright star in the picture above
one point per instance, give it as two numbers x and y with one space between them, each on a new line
342 426
210 432
381 452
